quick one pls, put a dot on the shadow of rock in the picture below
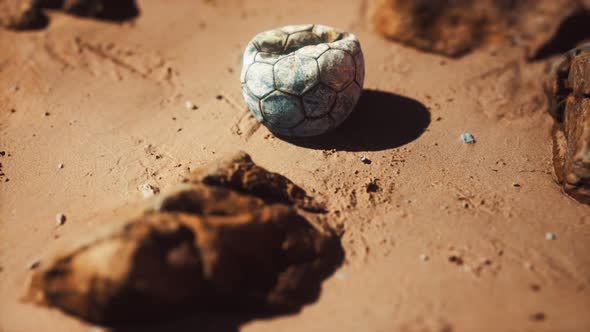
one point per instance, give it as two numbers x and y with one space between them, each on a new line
217 316
118 10
108 10
572 31
380 121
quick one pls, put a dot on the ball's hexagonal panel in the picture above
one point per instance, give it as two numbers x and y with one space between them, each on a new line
313 127
272 41
359 61
296 28
270 58
313 51
281 110
296 74
318 101
247 59
349 45
345 102
336 69
298 40
253 103
259 79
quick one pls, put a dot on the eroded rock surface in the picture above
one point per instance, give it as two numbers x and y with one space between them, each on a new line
455 27
231 238
569 93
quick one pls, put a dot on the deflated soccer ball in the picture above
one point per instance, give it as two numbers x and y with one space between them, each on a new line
302 80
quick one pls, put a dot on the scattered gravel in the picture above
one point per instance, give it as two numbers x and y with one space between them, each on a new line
60 219
550 236
189 105
34 265
148 190
468 138
60 166
365 160
424 257
539 316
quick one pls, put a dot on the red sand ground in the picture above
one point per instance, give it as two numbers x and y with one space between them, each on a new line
115 98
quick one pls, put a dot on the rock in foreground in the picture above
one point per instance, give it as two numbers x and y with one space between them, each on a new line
206 244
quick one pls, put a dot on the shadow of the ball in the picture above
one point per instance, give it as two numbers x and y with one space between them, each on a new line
380 121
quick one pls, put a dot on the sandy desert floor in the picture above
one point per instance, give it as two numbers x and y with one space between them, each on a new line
107 100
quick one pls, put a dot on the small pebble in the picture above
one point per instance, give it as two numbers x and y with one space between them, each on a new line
466 268
539 316
468 138
189 105
34 265
424 257
46 113
148 190
340 276
516 185
60 166
365 160
550 236
60 219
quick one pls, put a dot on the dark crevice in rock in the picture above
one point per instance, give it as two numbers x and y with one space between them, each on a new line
572 31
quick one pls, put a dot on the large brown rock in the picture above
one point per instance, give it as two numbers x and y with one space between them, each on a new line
20 15
568 91
216 246
29 14
455 27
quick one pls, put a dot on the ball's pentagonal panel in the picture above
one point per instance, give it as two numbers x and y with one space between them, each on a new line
281 110
270 58
359 61
298 40
345 102
351 46
259 79
253 104
295 74
318 101
296 28
312 127
313 51
247 60
272 41
336 69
